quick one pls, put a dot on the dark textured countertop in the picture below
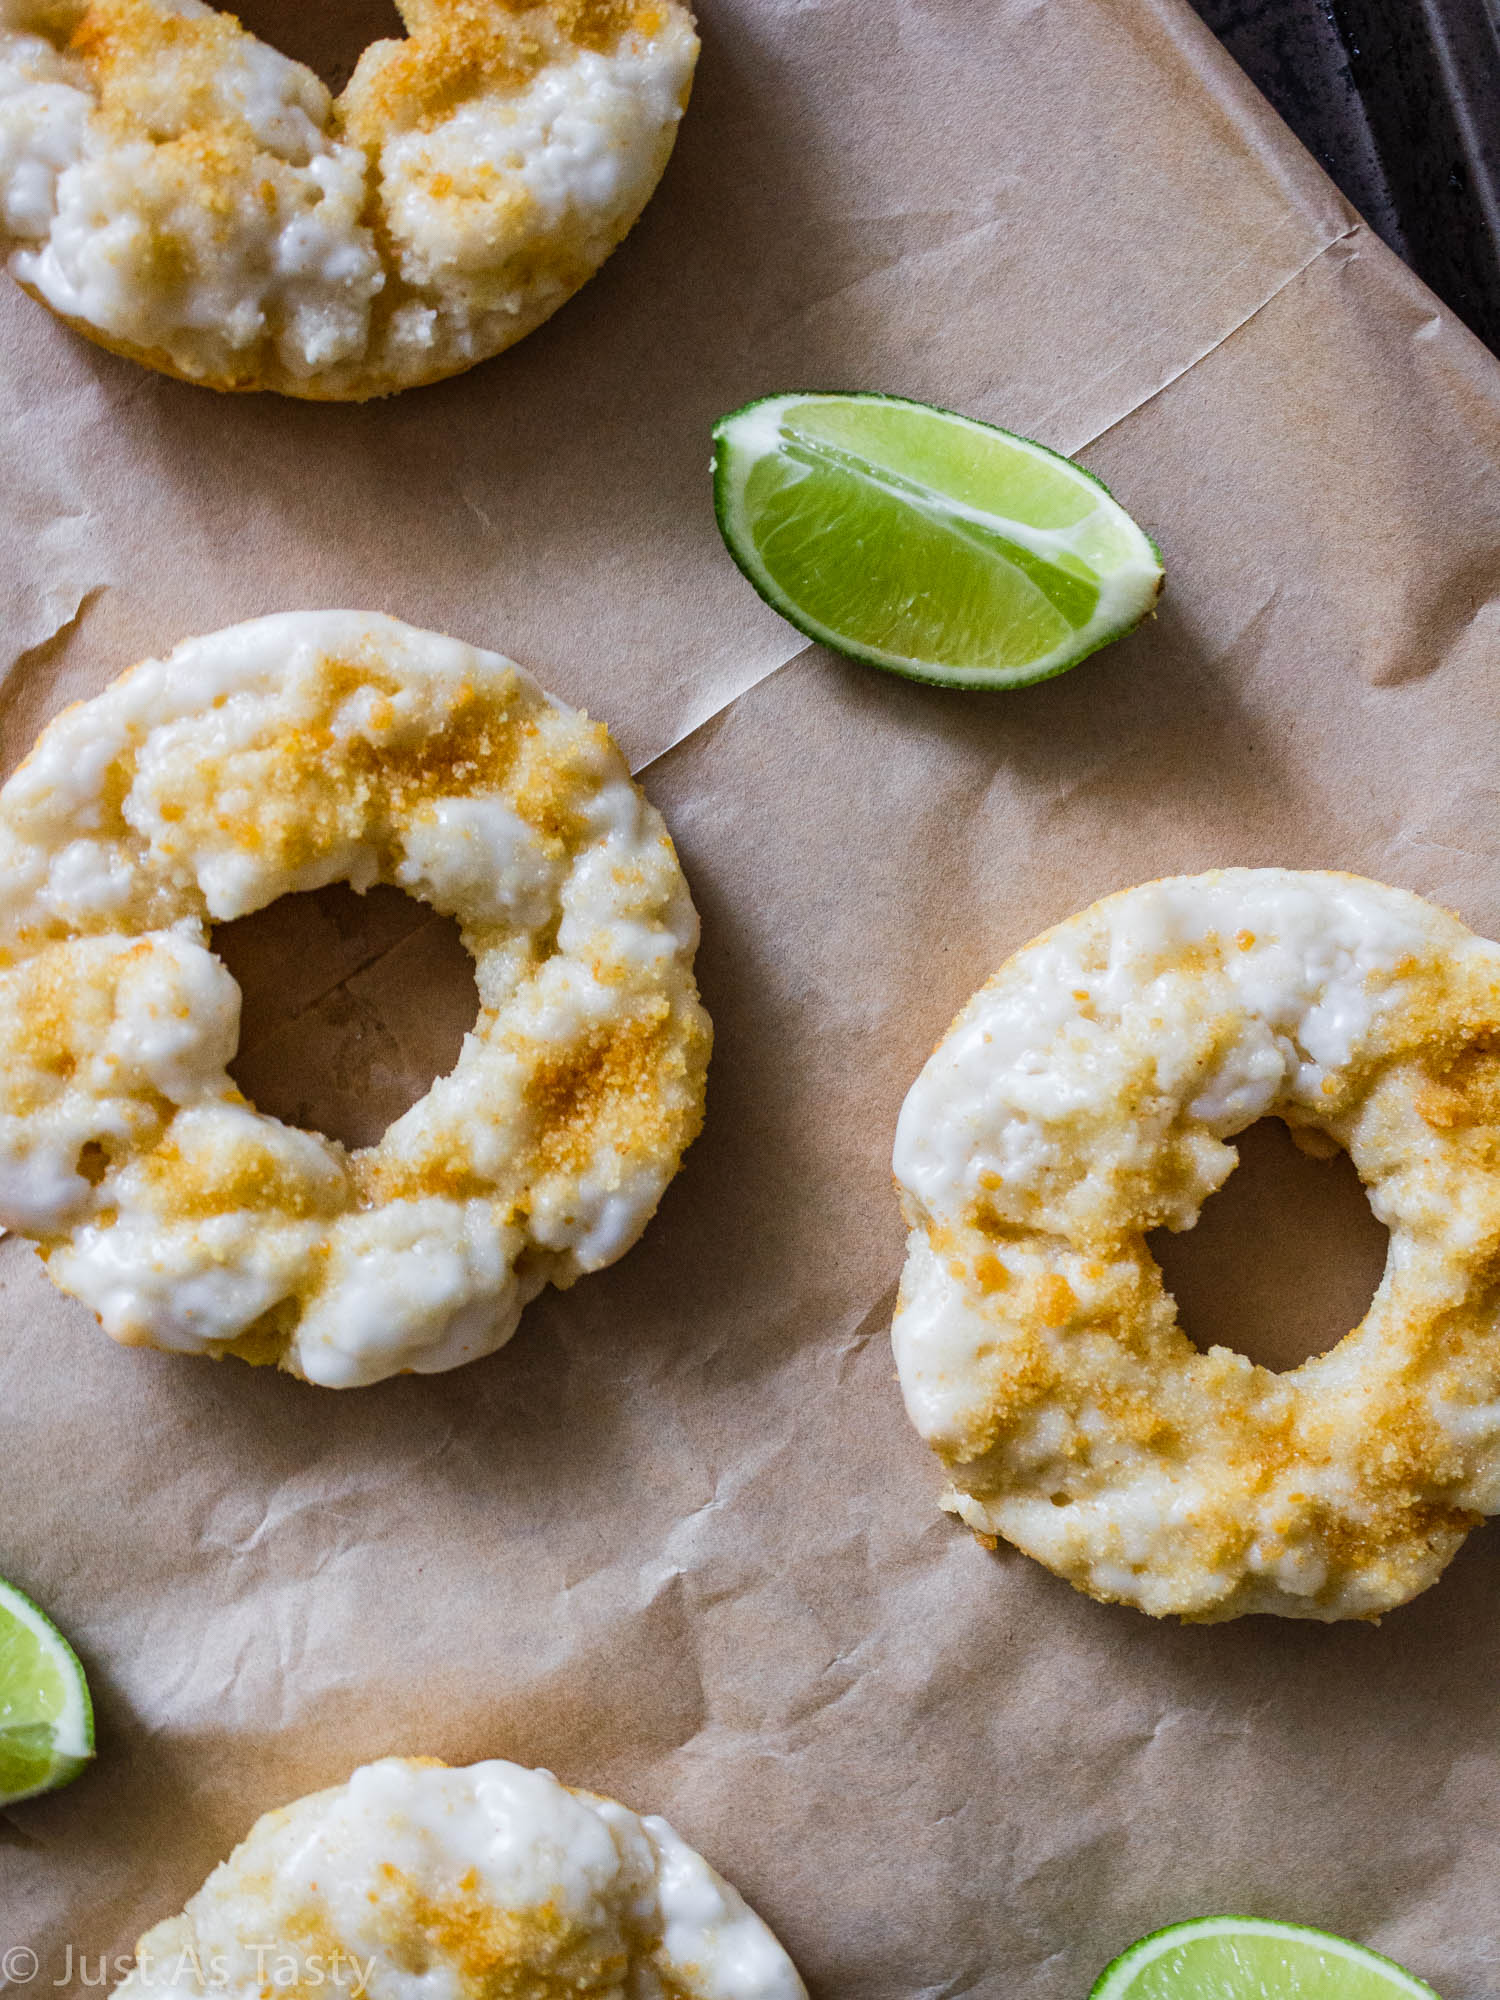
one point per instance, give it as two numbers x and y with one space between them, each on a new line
1400 101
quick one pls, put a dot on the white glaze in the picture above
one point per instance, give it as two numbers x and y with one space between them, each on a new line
483 1869
162 806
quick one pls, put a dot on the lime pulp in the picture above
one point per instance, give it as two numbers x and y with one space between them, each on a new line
1252 1958
925 542
46 1716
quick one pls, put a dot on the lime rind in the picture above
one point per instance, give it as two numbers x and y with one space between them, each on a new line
64 1739
1121 1977
1101 544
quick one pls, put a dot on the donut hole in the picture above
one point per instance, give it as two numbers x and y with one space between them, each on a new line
329 37
1283 1261
352 1006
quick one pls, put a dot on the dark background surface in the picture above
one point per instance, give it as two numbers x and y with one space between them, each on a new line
1400 101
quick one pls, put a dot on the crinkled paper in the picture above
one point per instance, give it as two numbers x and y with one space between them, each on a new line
678 1541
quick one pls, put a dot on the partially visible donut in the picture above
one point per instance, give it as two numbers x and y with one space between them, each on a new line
1087 1095
415 1882
185 195
278 756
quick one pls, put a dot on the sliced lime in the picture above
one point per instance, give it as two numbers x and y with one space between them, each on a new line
1250 1958
46 1717
925 542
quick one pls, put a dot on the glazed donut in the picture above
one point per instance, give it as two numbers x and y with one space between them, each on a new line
279 756
1085 1096
412 1880
187 196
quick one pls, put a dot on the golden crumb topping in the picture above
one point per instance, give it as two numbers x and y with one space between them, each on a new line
276 756
1088 1095
239 227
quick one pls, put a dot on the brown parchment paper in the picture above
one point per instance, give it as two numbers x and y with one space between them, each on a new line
677 1541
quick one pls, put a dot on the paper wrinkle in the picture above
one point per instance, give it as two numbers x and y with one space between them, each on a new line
697 729
59 609
324 1491
81 601
371 962
873 1324
1355 229
910 265
1452 625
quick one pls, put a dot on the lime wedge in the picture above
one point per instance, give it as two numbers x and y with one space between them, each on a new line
927 543
46 1717
1249 1958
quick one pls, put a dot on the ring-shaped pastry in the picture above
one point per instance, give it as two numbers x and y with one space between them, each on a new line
189 197
274 757
412 1880
1087 1095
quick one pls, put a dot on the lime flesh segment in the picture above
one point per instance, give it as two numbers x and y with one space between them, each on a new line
925 542
1251 1958
46 1717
